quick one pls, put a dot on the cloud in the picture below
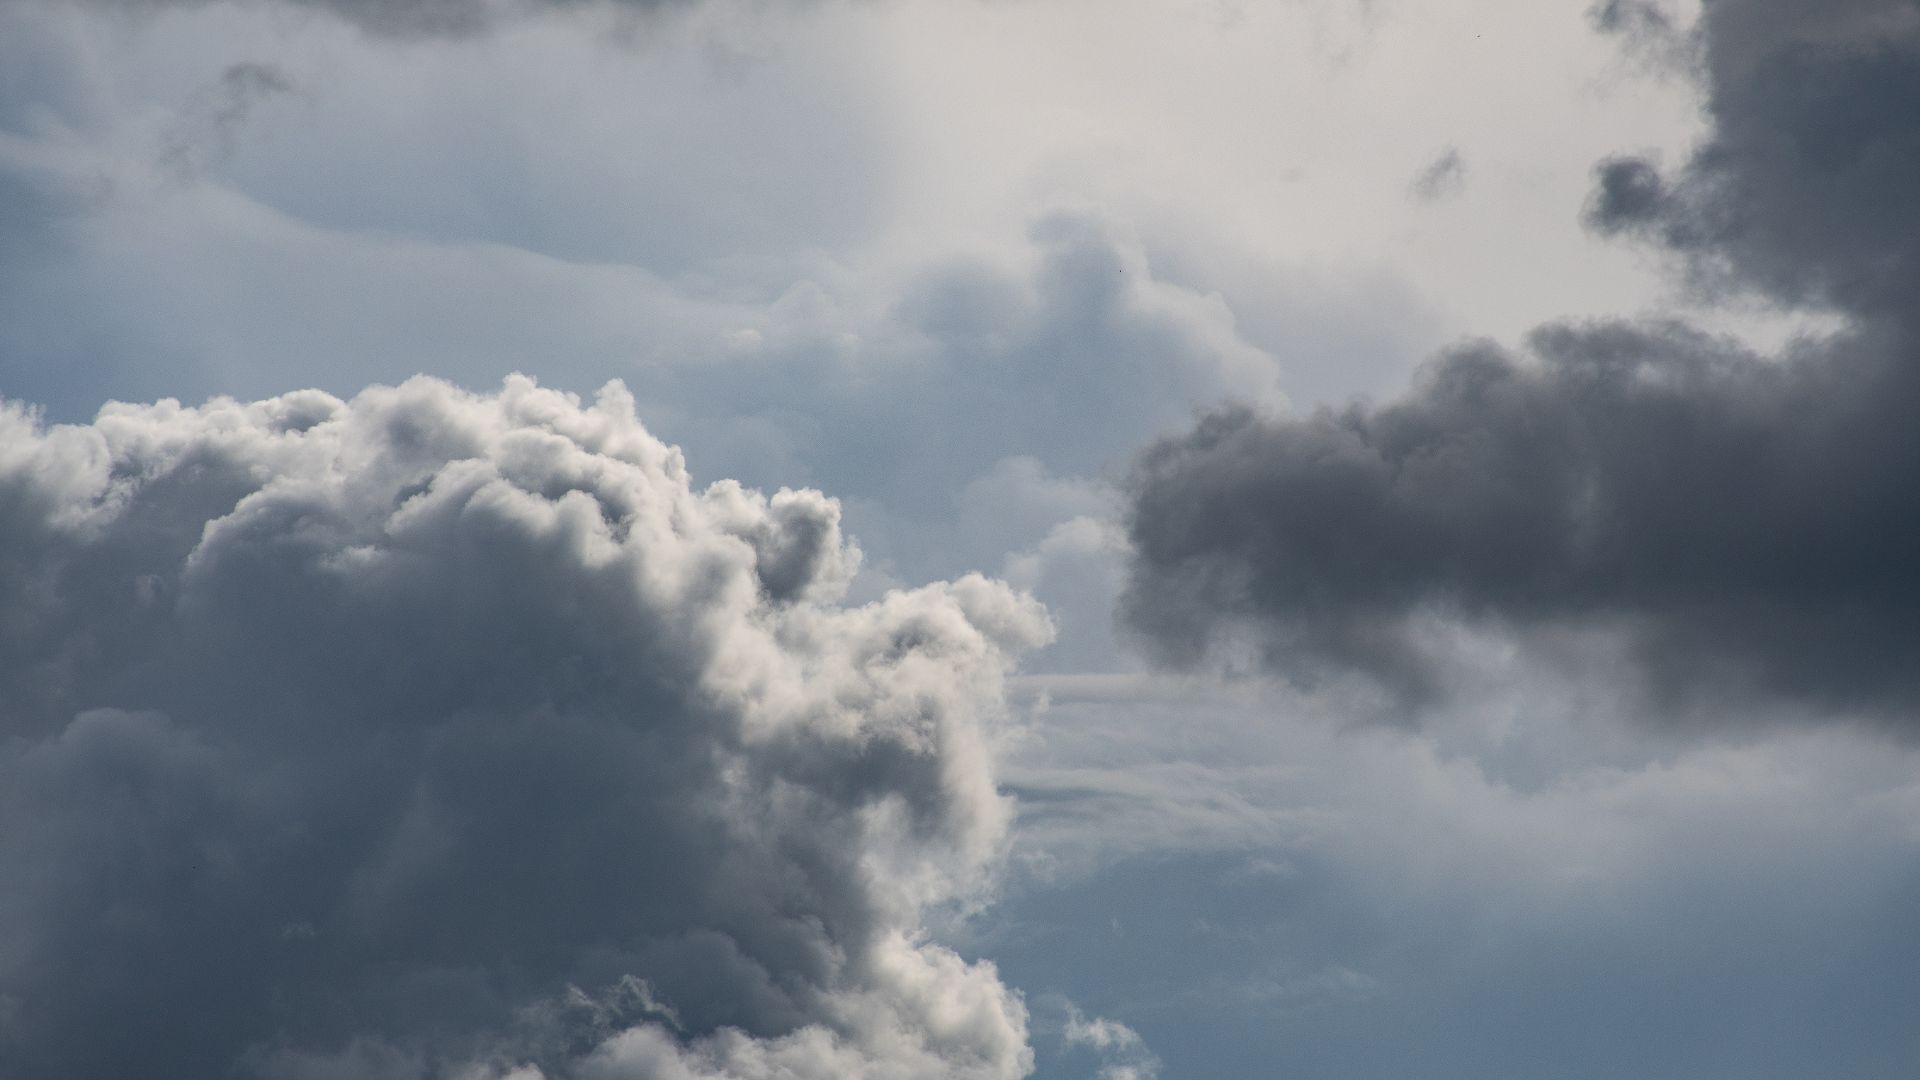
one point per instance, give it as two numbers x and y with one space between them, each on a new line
1445 176
1649 28
1071 362
1124 1055
1738 526
1305 898
429 733
419 18
1632 17
1800 189
223 110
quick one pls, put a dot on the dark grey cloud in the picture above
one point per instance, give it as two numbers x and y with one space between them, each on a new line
1743 523
432 734
1444 176
1802 189
1641 22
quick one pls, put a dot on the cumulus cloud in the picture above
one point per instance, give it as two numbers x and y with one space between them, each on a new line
1737 523
432 734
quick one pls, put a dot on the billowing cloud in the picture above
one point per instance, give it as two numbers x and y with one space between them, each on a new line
435 734
1735 523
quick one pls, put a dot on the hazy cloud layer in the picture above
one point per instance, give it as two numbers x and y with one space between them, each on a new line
1737 523
428 732
1307 899
415 18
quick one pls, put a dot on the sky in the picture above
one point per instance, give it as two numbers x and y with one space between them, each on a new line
895 539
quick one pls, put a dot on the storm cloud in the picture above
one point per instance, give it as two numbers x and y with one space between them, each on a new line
1742 525
429 734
